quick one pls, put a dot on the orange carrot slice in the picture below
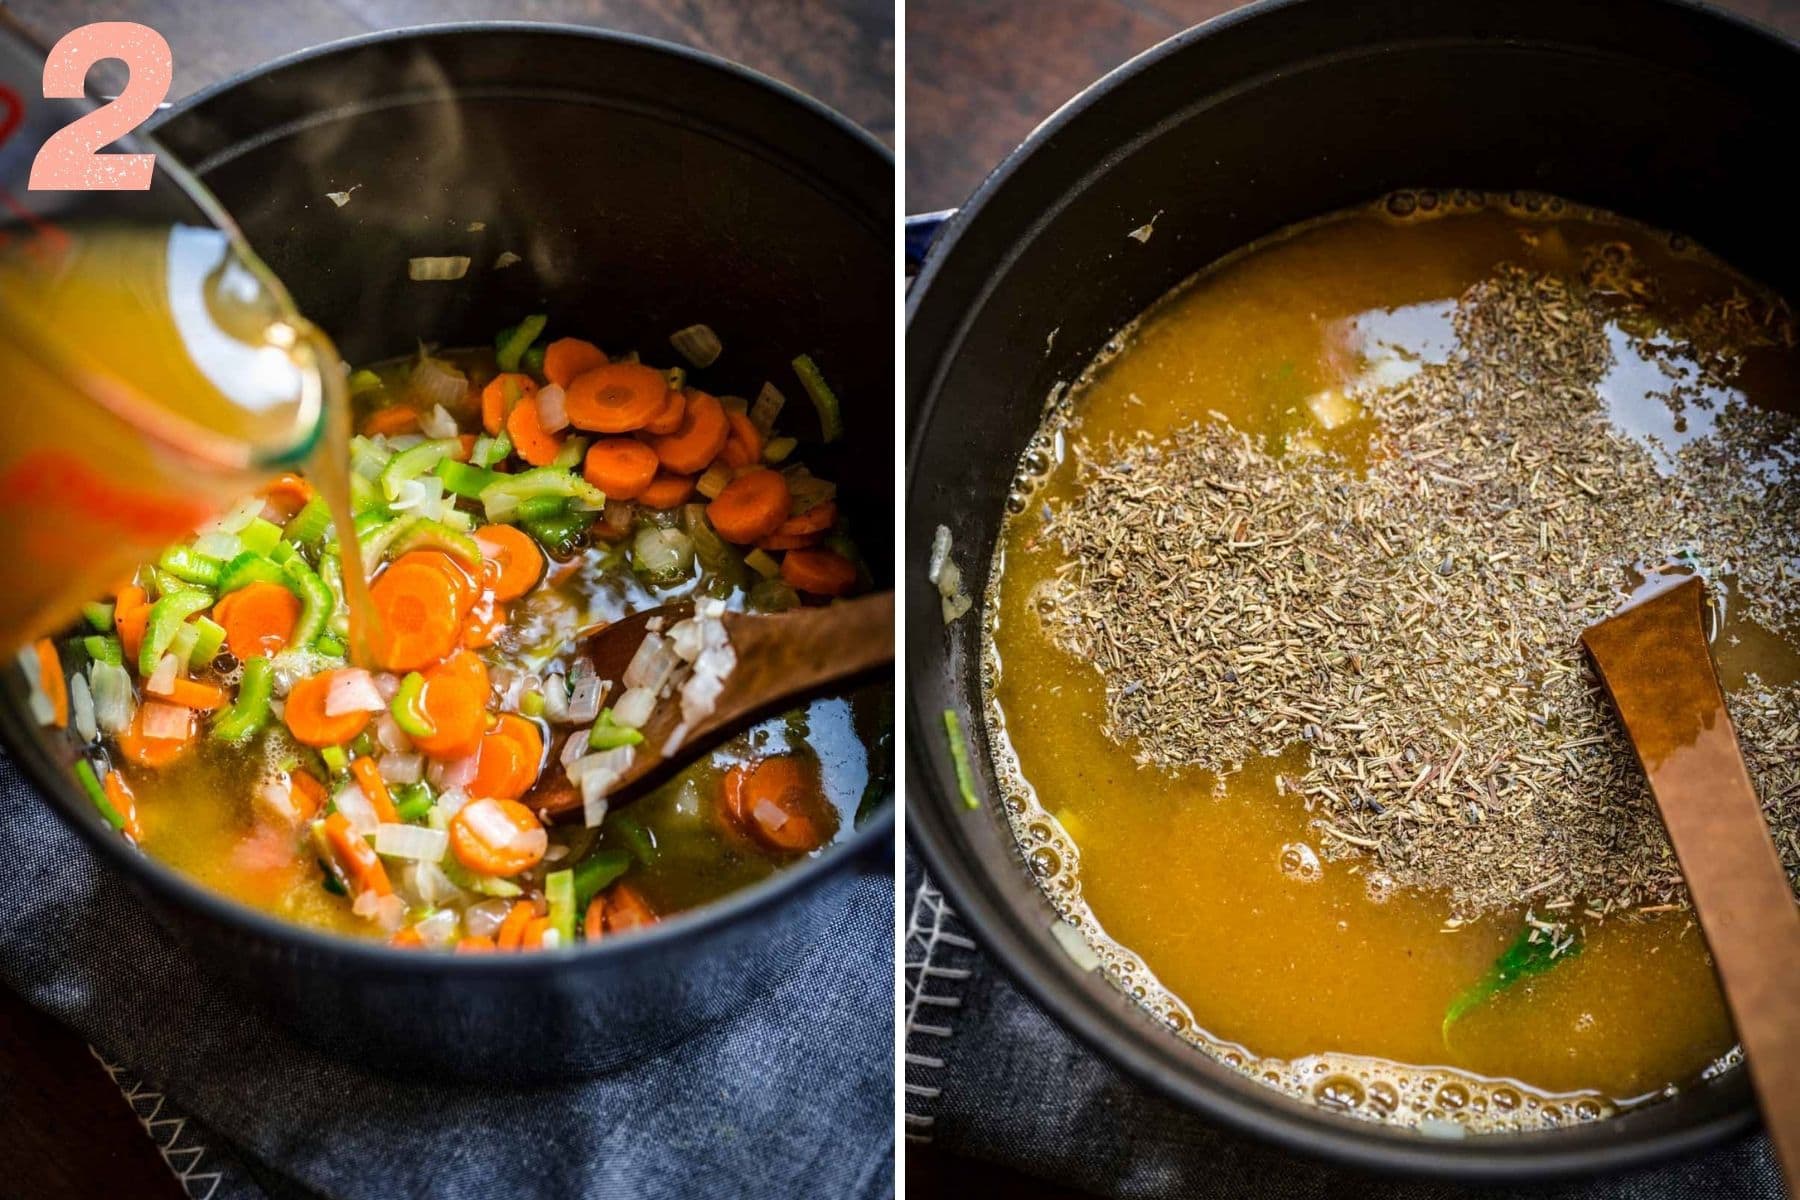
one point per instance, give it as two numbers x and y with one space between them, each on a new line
566 359
507 763
520 561
288 492
697 441
497 837
307 793
621 467
191 693
258 619
752 506
455 702
501 394
356 857
396 418
819 572
616 398
744 446
131 615
512 928
667 491
669 419
50 679
531 441
420 610
374 788
119 795
778 802
627 909
306 719
153 752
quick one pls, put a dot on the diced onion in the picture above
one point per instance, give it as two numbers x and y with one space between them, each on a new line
556 699
940 554
438 929
168 722
688 639
769 814
356 809
434 382
552 406
455 773
411 841
275 798
491 826
114 705
481 920
429 884
438 423
218 544
401 768
389 734
573 747
506 259
162 680
700 694
353 690
714 480
593 811
81 708
633 708
768 406
947 577
652 664
698 344
239 518
433 268
584 702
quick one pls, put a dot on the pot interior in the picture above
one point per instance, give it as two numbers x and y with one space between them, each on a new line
1662 113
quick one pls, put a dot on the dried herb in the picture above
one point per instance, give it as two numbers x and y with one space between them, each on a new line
1539 946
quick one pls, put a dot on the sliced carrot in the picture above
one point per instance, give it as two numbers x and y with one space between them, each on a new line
818 572
455 702
288 492
396 418
616 398
50 679
744 446
407 939
153 752
781 802
789 541
593 924
119 795
667 491
131 614
475 945
752 506
259 618
308 794
668 420
191 693
731 798
566 359
306 719
356 857
627 909
491 836
531 441
512 929
483 625
419 609
460 579
701 435
817 519
516 552
508 761
533 938
501 394
374 788
621 467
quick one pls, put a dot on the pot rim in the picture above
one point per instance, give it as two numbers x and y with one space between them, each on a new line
22 741
1033 963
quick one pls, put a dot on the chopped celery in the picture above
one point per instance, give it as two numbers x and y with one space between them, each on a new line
414 462
461 479
510 344
559 891
531 704
426 534
250 711
533 360
166 618
100 616
336 761
561 535
328 643
408 709
537 508
191 567
777 449
831 417
316 601
719 559
366 496
569 455
104 648
606 735
412 801
366 458
161 583
598 871
90 783
183 645
490 450
771 595
959 752
259 537
309 524
364 381
209 635
502 498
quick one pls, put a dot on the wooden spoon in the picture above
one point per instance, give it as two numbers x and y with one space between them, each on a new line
781 657
1653 658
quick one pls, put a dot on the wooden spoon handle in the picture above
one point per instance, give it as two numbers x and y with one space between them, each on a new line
802 650
1661 677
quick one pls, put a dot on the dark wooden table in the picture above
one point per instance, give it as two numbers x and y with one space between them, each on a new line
980 75
64 1130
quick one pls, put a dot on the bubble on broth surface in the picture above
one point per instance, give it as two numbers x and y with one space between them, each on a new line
1300 862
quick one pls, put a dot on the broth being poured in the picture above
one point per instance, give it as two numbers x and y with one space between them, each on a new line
1283 667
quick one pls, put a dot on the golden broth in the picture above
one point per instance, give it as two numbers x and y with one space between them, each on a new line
1207 900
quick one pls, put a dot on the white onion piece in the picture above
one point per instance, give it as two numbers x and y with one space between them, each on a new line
552 406
573 747
438 423
652 664
162 680
438 929
357 809
454 773
482 920
449 803
593 798
700 694
81 708
218 544
437 268
698 344
388 684
275 798
434 383
353 690
239 518
393 739
940 554
411 841
584 703
401 768
429 883
687 639
166 721
114 704
769 814
633 709
556 699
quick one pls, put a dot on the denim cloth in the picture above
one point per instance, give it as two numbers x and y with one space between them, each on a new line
791 1097
990 1077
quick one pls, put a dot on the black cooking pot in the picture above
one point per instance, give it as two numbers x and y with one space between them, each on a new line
1668 112
646 187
